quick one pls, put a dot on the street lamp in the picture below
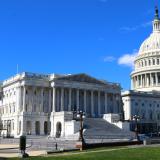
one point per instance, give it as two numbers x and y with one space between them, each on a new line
136 119
80 117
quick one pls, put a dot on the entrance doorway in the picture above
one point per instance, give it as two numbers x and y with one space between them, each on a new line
45 128
28 127
37 127
58 129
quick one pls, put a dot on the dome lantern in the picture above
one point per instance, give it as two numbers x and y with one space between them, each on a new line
156 13
156 22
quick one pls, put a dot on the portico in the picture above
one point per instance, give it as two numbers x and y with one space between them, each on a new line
71 95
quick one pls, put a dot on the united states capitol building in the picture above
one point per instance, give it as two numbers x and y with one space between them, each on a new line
36 104
39 104
143 99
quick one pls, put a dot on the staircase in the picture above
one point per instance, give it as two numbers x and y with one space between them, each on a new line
97 128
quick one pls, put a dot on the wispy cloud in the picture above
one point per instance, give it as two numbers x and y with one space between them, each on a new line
124 60
127 59
109 59
133 28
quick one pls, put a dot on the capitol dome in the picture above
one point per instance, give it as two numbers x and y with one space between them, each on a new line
151 44
146 74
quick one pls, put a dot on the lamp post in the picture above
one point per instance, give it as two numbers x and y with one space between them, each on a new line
136 119
80 117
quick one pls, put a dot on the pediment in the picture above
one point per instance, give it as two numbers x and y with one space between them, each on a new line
81 78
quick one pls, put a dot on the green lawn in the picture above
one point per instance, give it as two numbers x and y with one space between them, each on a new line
145 153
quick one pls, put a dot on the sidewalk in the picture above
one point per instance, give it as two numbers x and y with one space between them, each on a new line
12 150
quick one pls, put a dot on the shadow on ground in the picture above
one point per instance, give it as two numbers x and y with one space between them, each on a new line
2 158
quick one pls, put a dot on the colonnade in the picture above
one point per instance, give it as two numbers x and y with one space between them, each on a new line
39 102
146 80
93 102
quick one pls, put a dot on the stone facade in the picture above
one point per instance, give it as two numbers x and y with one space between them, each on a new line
35 104
146 105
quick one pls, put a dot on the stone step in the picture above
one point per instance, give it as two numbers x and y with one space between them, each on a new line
99 128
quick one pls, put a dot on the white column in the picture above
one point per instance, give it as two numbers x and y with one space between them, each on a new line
134 82
145 80
58 99
62 99
128 113
151 80
77 100
49 107
24 98
141 81
41 108
19 98
156 74
99 103
106 103
70 100
54 100
137 79
92 103
85 101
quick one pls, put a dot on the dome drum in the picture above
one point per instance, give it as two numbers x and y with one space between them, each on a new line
146 81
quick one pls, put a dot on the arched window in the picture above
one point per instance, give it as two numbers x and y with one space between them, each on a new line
153 61
145 63
142 63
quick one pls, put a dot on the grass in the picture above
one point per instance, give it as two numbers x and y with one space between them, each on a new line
144 153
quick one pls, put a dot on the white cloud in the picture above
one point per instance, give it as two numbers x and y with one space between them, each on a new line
133 28
127 59
109 59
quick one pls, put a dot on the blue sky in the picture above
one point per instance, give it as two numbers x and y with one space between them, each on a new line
73 36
